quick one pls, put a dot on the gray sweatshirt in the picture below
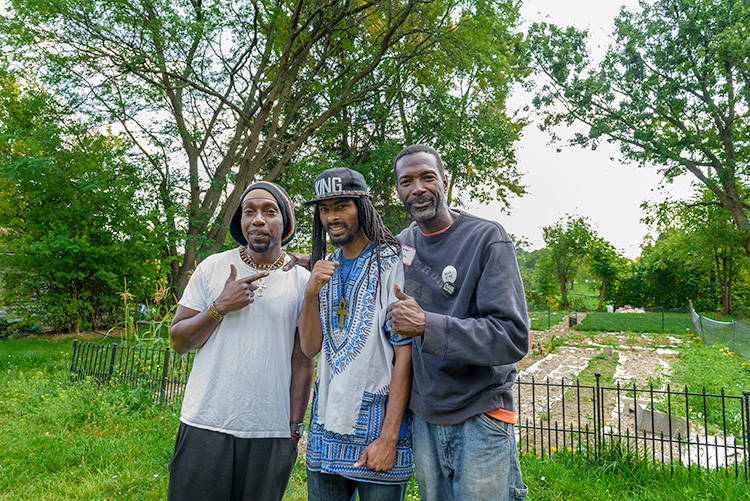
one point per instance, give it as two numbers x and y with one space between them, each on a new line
464 364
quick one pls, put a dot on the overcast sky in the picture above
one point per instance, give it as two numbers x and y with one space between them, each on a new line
577 181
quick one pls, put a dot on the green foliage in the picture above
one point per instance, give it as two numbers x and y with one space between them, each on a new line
540 285
672 91
551 345
64 440
567 241
606 265
542 317
705 237
81 440
17 328
618 475
717 371
712 368
213 95
584 296
455 103
75 223
668 274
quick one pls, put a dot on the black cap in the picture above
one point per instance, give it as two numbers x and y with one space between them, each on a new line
339 182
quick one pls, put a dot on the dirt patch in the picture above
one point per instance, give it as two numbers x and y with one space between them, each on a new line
562 398
562 352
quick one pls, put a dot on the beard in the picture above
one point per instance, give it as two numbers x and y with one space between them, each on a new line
259 248
263 245
346 238
342 240
423 213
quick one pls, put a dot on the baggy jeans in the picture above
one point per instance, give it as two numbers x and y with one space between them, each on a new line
475 460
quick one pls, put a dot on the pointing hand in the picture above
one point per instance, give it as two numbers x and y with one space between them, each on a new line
237 293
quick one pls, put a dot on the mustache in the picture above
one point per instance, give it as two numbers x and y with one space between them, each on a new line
343 225
420 199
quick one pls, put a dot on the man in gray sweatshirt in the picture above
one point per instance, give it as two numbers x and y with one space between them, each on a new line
463 303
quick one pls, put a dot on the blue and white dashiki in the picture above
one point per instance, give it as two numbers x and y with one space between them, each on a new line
354 371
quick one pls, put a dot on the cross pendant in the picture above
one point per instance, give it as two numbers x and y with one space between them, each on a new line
261 285
342 311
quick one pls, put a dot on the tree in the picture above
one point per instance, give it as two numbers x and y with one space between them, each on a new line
708 236
75 225
231 90
673 91
666 274
453 98
605 263
568 240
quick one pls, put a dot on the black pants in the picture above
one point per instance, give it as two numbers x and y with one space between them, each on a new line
209 465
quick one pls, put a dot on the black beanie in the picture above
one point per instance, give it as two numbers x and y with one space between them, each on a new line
285 204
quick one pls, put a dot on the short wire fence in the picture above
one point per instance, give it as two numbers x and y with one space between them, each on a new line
733 335
663 426
540 316
157 368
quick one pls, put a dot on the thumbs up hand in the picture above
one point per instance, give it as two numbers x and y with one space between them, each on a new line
400 295
405 315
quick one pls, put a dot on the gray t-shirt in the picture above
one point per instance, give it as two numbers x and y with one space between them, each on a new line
240 379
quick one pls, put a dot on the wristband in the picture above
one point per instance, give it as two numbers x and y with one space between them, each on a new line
215 313
296 429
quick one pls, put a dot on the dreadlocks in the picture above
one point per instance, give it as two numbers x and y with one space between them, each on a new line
372 226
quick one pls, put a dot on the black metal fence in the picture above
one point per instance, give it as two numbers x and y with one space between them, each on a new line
663 426
160 369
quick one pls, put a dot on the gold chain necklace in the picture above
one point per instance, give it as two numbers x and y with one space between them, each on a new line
261 267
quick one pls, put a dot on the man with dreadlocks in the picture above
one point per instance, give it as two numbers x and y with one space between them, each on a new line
359 438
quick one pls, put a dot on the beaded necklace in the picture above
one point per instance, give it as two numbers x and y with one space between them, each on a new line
261 267
261 282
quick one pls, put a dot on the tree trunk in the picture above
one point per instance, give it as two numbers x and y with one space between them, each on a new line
563 279
601 296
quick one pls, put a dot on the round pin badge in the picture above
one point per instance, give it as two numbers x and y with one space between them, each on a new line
449 274
449 288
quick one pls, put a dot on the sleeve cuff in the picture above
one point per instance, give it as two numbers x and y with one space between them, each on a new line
434 339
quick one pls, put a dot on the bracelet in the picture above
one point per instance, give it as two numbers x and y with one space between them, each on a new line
215 313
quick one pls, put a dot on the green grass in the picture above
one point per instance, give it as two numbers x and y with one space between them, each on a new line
63 440
674 323
616 477
715 370
583 296
601 364
76 440
542 318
